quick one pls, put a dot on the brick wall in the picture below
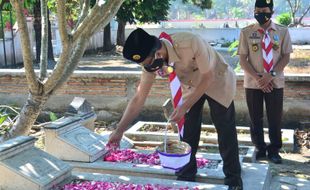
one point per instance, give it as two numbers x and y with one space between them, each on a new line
112 91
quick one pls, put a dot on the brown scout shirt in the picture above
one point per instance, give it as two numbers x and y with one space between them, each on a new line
192 56
250 45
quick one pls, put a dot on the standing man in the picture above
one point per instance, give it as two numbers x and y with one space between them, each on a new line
204 75
264 51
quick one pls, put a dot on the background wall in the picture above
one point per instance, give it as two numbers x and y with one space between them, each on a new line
112 90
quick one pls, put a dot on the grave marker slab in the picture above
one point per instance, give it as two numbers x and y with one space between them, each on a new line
213 175
77 142
23 166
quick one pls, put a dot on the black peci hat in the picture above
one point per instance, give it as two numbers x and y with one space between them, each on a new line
264 3
139 45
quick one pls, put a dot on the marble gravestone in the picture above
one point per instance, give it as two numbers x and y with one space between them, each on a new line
23 166
68 139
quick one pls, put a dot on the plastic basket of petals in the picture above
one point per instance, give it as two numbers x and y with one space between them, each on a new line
176 155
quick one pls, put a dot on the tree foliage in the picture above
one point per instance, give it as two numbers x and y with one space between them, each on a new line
143 11
203 4
298 6
284 19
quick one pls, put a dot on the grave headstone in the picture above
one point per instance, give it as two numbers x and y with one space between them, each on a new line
80 107
77 142
23 166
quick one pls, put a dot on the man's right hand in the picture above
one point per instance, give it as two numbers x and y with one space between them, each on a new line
115 138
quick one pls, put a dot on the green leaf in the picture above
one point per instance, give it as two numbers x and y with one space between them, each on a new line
233 45
238 68
3 118
234 54
53 116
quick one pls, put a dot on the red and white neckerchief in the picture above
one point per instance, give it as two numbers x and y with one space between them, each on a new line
175 86
267 50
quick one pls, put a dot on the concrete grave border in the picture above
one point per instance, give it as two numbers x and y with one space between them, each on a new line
145 180
286 133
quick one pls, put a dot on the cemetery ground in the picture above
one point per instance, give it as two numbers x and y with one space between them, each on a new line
294 169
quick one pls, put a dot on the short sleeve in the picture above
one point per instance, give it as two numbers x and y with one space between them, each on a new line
243 48
203 53
287 44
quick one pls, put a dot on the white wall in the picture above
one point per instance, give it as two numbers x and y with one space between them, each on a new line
298 35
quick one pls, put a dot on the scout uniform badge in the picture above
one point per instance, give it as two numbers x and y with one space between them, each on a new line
254 47
276 42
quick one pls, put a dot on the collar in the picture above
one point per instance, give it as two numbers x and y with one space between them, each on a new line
272 26
173 57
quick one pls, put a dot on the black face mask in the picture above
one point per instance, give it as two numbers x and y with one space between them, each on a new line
156 65
262 18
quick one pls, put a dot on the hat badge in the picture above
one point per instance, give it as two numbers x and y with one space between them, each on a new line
268 1
136 57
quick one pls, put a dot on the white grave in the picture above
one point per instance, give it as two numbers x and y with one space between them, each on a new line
67 139
24 167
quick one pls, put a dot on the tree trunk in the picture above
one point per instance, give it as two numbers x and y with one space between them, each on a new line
50 54
107 44
37 29
27 117
121 33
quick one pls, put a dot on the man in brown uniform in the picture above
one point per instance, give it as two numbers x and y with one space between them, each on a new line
264 51
204 75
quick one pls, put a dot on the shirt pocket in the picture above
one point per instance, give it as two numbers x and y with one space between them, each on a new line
255 46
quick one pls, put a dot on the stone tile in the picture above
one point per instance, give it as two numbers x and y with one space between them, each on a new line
26 167
246 152
289 183
256 176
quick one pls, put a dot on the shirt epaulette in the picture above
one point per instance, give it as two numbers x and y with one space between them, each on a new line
248 27
281 27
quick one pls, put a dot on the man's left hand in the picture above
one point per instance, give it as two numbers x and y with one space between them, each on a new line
265 79
177 114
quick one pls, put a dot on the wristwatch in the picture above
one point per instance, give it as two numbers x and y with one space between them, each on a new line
273 73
